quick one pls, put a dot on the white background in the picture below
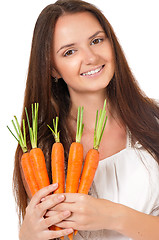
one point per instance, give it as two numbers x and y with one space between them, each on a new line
136 24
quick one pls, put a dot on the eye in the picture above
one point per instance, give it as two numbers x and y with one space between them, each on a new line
69 53
96 41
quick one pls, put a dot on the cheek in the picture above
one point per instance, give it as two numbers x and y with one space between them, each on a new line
108 51
109 55
69 68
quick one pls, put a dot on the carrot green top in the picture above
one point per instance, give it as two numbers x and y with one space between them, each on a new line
21 137
99 126
54 130
80 124
33 131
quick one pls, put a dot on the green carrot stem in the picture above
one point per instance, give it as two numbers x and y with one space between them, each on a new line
102 130
95 129
13 134
34 129
100 124
55 132
80 124
15 128
24 131
21 137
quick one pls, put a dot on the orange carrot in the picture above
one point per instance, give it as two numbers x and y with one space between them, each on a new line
75 159
29 174
57 163
36 155
57 160
58 174
39 167
25 159
74 167
92 157
89 169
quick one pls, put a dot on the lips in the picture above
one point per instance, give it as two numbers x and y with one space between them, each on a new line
93 71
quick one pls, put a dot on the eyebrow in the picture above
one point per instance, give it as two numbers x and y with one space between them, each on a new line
72 44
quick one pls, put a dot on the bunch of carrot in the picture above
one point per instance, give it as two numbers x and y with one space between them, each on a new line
32 162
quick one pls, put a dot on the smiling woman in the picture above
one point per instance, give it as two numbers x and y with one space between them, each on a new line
76 60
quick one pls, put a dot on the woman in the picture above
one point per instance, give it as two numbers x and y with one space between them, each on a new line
76 60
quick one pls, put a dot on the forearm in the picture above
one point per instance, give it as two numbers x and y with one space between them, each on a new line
137 225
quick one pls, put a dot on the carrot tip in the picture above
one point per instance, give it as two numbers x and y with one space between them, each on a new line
70 236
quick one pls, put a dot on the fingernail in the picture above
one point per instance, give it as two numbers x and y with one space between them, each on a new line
55 184
60 197
43 199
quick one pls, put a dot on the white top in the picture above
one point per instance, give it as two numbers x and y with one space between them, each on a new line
130 177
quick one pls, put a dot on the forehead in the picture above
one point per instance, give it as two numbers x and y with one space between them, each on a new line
74 27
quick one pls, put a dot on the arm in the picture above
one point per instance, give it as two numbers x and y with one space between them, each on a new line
89 213
137 225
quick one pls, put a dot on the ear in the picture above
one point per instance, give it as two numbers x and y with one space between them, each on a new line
55 73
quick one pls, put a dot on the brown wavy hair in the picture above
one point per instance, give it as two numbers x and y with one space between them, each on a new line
139 113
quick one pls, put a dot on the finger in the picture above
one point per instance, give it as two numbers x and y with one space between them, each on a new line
51 202
50 234
51 213
73 198
67 224
76 197
73 217
42 193
54 213
53 220
66 206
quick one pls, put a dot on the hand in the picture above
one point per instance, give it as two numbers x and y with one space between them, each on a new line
35 225
88 213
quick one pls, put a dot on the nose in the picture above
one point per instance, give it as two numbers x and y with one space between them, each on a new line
89 56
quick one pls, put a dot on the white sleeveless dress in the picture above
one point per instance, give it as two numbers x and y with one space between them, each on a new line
129 177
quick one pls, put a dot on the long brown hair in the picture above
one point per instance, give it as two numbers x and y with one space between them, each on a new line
139 113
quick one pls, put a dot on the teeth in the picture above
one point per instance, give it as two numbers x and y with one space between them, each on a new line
92 72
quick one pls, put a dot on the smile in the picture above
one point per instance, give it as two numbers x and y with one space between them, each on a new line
92 72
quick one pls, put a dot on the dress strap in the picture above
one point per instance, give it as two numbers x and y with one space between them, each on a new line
129 143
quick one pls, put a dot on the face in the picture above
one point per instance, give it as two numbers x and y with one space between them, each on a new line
82 53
